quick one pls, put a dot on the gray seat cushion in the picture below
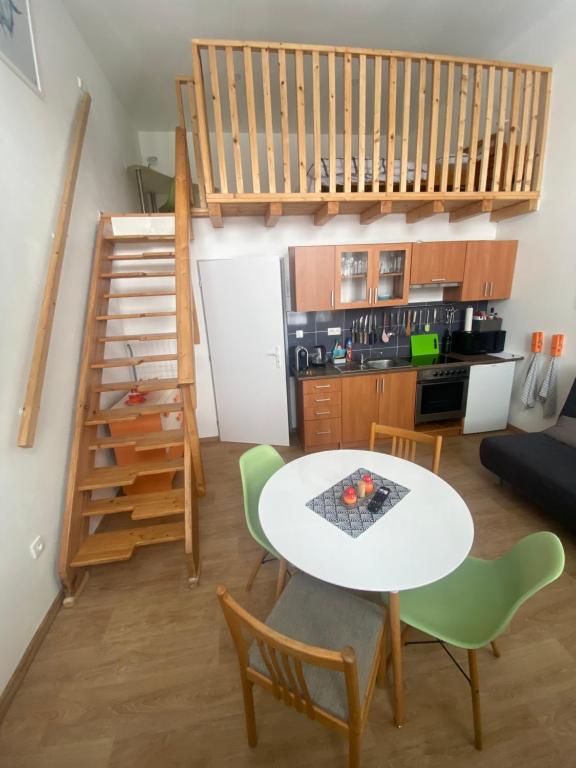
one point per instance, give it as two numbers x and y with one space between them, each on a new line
320 614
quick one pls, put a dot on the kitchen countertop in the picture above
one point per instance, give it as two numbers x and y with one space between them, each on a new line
330 370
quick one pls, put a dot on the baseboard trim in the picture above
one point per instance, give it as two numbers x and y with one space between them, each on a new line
214 439
13 685
512 428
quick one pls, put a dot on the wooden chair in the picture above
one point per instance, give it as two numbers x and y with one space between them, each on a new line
404 443
319 651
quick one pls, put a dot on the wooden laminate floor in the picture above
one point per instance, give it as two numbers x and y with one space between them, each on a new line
142 672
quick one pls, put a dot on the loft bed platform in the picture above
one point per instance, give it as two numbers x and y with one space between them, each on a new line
279 129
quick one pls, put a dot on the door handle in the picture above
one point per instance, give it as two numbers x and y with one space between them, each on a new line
491 288
332 298
382 386
438 280
276 354
321 413
369 295
325 433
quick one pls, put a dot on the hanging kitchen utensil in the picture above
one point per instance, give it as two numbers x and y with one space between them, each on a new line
548 393
408 329
427 326
529 395
385 337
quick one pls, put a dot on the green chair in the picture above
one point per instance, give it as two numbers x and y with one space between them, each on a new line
256 467
472 606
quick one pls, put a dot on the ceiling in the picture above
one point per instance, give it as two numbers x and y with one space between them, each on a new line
142 44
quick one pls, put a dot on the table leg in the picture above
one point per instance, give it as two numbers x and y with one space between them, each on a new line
396 642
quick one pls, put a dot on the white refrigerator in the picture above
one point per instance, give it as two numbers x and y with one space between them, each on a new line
489 393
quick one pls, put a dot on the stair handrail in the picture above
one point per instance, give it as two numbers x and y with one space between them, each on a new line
182 236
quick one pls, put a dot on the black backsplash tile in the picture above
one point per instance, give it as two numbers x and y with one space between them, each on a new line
315 326
301 321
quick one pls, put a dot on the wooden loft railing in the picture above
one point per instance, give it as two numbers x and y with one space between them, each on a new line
292 129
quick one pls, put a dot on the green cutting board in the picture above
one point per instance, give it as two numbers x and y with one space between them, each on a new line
424 344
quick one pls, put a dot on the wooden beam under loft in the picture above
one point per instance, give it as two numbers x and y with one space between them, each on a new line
326 212
273 213
470 210
376 211
518 209
425 211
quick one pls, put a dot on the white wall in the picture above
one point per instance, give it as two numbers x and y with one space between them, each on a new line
34 135
544 297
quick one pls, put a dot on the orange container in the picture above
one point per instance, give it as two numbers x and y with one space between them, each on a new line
537 341
557 345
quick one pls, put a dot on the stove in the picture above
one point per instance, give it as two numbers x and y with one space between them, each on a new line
441 388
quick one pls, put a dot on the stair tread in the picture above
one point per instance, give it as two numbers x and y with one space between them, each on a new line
126 474
138 294
119 545
130 412
140 256
122 362
145 441
139 337
143 506
138 238
135 315
130 275
142 385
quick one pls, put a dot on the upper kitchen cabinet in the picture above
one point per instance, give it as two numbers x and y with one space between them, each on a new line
312 278
372 276
391 275
488 272
352 276
441 262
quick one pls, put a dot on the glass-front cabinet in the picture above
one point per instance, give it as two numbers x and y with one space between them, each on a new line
353 275
374 275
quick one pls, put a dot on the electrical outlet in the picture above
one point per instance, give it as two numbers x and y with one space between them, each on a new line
37 547
334 331
299 334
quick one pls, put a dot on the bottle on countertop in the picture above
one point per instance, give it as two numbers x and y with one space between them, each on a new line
348 350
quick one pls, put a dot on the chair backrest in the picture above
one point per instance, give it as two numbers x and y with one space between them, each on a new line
531 564
284 657
404 443
256 467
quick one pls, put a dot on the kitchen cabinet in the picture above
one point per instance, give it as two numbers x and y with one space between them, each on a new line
319 414
439 262
397 402
371 275
489 394
385 398
488 272
312 278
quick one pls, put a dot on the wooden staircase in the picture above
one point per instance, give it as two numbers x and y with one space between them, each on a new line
139 514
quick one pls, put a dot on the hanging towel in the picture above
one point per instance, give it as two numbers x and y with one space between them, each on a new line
528 395
548 390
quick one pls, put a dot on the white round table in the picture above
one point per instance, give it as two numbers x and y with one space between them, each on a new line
424 537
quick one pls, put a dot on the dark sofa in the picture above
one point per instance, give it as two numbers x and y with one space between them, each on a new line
540 465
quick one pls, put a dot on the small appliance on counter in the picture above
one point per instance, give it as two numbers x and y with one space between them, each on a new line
301 359
318 356
478 342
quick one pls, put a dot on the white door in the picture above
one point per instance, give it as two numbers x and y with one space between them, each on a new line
244 320
489 393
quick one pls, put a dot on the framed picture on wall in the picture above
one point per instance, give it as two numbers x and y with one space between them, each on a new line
17 48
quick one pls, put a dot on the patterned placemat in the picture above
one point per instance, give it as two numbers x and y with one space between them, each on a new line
355 519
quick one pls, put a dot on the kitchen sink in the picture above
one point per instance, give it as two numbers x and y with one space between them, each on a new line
375 364
382 364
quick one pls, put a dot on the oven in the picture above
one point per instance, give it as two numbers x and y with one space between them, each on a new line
441 393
